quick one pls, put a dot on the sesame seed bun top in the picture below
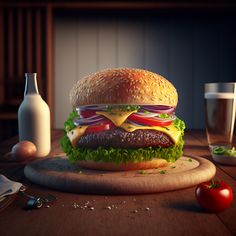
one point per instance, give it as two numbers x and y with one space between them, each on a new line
123 86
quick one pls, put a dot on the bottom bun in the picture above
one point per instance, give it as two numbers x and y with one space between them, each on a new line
155 163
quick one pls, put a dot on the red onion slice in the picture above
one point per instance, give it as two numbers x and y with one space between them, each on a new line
92 107
89 121
146 114
159 109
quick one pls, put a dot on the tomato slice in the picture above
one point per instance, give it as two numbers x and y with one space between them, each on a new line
107 125
148 121
86 113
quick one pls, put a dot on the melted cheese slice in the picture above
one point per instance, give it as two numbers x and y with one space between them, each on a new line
169 130
75 134
117 117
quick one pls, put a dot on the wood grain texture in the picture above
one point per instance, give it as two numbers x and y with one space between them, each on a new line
10 44
170 213
205 49
49 62
20 54
2 69
208 6
156 45
38 47
58 173
107 49
130 42
87 34
29 40
7 201
65 80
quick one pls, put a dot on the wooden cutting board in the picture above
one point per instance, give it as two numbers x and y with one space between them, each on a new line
58 173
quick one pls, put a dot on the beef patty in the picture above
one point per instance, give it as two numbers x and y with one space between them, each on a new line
119 138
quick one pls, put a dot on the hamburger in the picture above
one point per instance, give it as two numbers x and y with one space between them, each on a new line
123 119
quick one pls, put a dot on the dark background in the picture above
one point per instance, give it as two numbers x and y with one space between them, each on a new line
195 45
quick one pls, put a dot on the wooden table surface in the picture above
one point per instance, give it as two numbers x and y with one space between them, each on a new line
169 213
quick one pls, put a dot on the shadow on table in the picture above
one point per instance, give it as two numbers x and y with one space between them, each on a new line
199 147
184 206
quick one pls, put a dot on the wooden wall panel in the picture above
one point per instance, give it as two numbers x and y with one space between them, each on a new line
227 58
87 34
49 61
10 36
181 66
107 49
157 45
155 42
130 42
38 47
206 64
29 40
20 55
26 45
1 57
25 32
188 50
66 59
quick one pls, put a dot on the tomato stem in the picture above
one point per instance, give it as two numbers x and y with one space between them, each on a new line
214 184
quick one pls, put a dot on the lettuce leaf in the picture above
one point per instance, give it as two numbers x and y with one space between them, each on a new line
69 125
120 155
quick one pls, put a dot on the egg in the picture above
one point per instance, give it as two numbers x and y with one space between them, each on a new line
23 151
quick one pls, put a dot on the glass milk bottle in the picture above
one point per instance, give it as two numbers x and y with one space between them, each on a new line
34 117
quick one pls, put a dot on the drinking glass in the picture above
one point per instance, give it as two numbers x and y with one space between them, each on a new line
220 109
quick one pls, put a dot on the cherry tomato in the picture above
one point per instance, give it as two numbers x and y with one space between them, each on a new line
214 196
86 113
148 120
107 125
